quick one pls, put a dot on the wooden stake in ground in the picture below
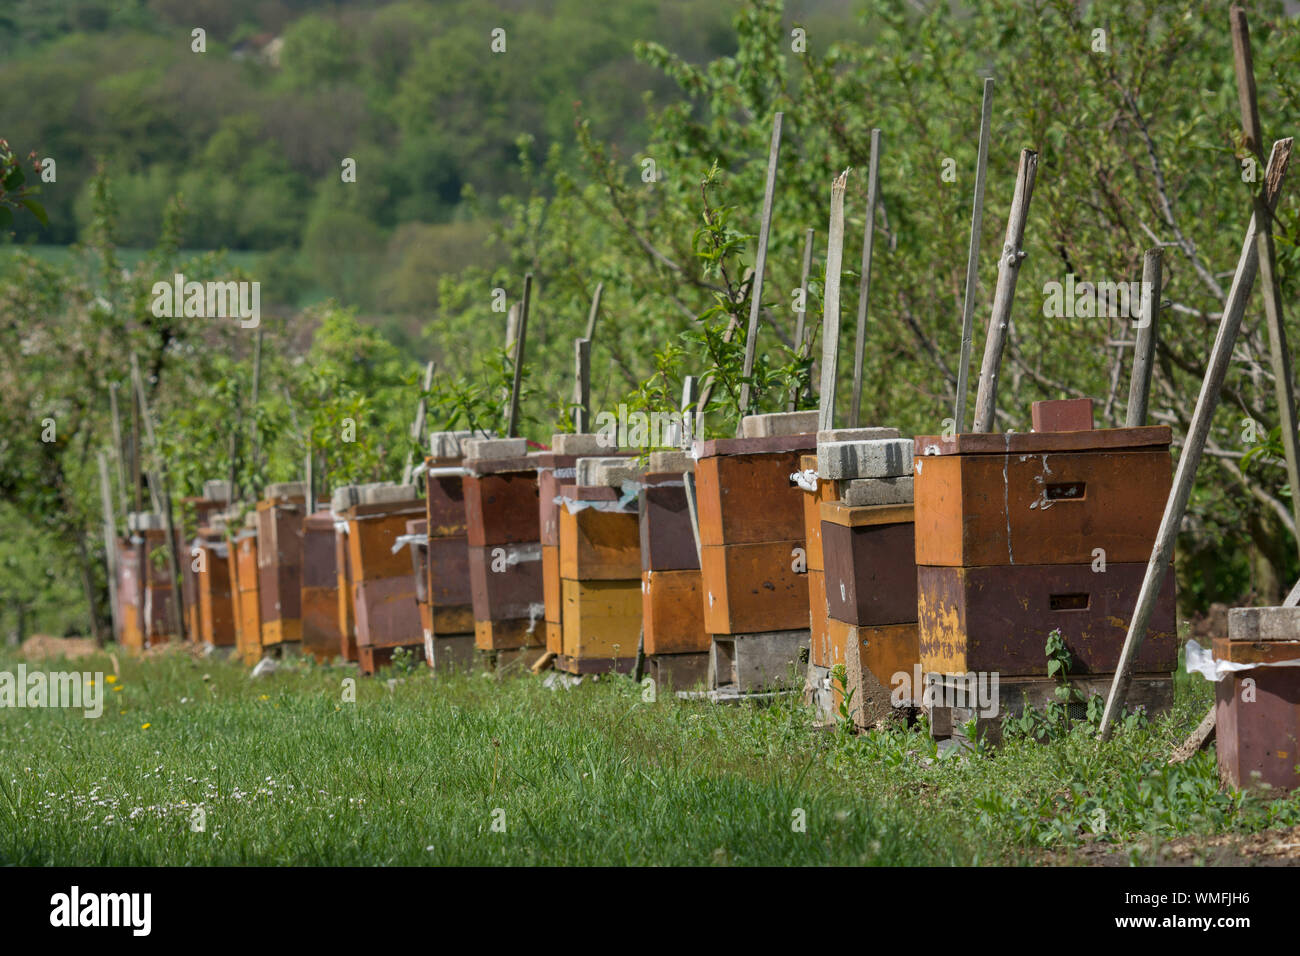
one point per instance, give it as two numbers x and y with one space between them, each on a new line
581 384
760 263
162 502
309 472
512 423
831 304
800 330
986 399
137 460
1279 353
257 383
864 283
1139 386
110 541
1197 433
119 457
973 256
691 414
417 426
593 313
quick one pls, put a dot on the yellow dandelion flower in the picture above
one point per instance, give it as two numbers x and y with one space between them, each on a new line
117 688
264 697
110 679
144 726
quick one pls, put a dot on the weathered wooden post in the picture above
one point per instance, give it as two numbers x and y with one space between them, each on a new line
831 304
1197 433
986 400
864 282
973 256
417 426
581 384
800 325
512 423
1144 350
760 261
110 539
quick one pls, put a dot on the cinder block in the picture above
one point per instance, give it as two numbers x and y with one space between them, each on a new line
662 461
285 489
877 491
481 448
855 434
778 423
450 444
386 493
580 443
1064 415
606 472
344 497
144 521
1264 623
216 490
882 458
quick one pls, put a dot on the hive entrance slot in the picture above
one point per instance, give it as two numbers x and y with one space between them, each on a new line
1068 602
1067 491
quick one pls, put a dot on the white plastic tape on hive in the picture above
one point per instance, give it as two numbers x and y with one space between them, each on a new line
1202 661
806 479
404 539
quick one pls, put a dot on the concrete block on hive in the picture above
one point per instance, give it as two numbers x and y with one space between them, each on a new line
1264 624
580 443
606 472
344 497
670 461
779 423
862 492
450 444
144 521
386 492
677 671
1064 415
216 490
832 435
487 448
880 458
285 489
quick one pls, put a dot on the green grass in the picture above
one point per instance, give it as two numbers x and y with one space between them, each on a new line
287 772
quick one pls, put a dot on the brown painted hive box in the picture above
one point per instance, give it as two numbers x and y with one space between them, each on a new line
501 501
667 538
447 581
383 587
870 576
998 618
247 608
753 550
1049 498
673 612
216 600
506 582
279 568
1257 710
321 636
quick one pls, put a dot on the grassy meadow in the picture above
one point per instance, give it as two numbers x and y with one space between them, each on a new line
485 769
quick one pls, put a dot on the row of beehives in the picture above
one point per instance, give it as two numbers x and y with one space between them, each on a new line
913 566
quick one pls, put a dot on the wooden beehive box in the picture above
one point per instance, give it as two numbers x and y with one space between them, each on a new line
447 617
195 513
280 515
1257 710
321 636
243 566
753 554
130 595
672 592
503 531
600 573
154 595
1018 535
383 585
216 599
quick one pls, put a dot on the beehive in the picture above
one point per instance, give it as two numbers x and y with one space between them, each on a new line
447 617
503 532
752 555
244 581
383 585
280 515
321 636
555 468
1257 707
215 597
146 575
672 596
869 569
196 513
600 568
1021 534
